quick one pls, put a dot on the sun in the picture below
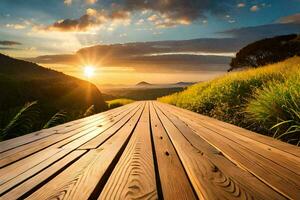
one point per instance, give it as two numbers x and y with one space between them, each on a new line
89 71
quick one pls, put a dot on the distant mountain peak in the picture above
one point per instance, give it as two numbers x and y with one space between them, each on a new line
143 83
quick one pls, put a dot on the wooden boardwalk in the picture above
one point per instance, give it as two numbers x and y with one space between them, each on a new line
148 150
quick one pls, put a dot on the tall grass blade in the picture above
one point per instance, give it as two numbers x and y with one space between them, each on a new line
56 119
90 111
22 122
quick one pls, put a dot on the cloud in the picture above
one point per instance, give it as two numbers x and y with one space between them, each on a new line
164 21
250 34
173 56
254 8
241 5
170 13
91 1
290 19
68 2
8 48
15 26
190 10
9 43
140 22
151 64
92 19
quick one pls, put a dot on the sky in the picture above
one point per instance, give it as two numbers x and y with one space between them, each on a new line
127 41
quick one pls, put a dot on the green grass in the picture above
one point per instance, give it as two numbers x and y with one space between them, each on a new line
118 102
255 99
277 107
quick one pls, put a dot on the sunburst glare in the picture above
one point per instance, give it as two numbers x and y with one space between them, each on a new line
89 71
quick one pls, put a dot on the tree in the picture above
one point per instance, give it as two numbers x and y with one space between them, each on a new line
267 51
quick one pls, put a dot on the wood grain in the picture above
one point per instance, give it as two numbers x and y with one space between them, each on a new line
36 159
134 176
213 175
14 170
148 150
97 141
279 178
80 179
40 177
258 138
280 157
174 181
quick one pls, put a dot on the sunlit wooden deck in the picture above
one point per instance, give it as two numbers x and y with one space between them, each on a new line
148 150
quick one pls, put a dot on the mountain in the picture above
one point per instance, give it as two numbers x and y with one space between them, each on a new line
22 81
143 83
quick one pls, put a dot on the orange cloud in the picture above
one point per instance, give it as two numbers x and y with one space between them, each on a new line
68 2
254 8
91 1
241 5
290 19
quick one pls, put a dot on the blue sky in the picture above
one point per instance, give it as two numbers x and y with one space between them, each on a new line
37 27
20 19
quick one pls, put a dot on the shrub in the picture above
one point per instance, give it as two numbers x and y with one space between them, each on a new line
118 102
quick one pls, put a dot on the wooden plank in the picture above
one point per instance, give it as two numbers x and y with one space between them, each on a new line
63 128
35 169
25 150
279 178
11 171
174 181
276 144
35 159
134 175
80 180
28 185
97 139
212 175
282 158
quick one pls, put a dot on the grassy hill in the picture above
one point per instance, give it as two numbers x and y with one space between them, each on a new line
265 100
22 82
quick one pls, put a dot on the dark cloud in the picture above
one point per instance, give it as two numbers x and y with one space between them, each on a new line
141 48
81 24
8 48
250 34
169 13
91 19
9 43
189 10
54 59
149 56
176 63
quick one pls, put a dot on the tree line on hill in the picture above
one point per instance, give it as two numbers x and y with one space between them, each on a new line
267 51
